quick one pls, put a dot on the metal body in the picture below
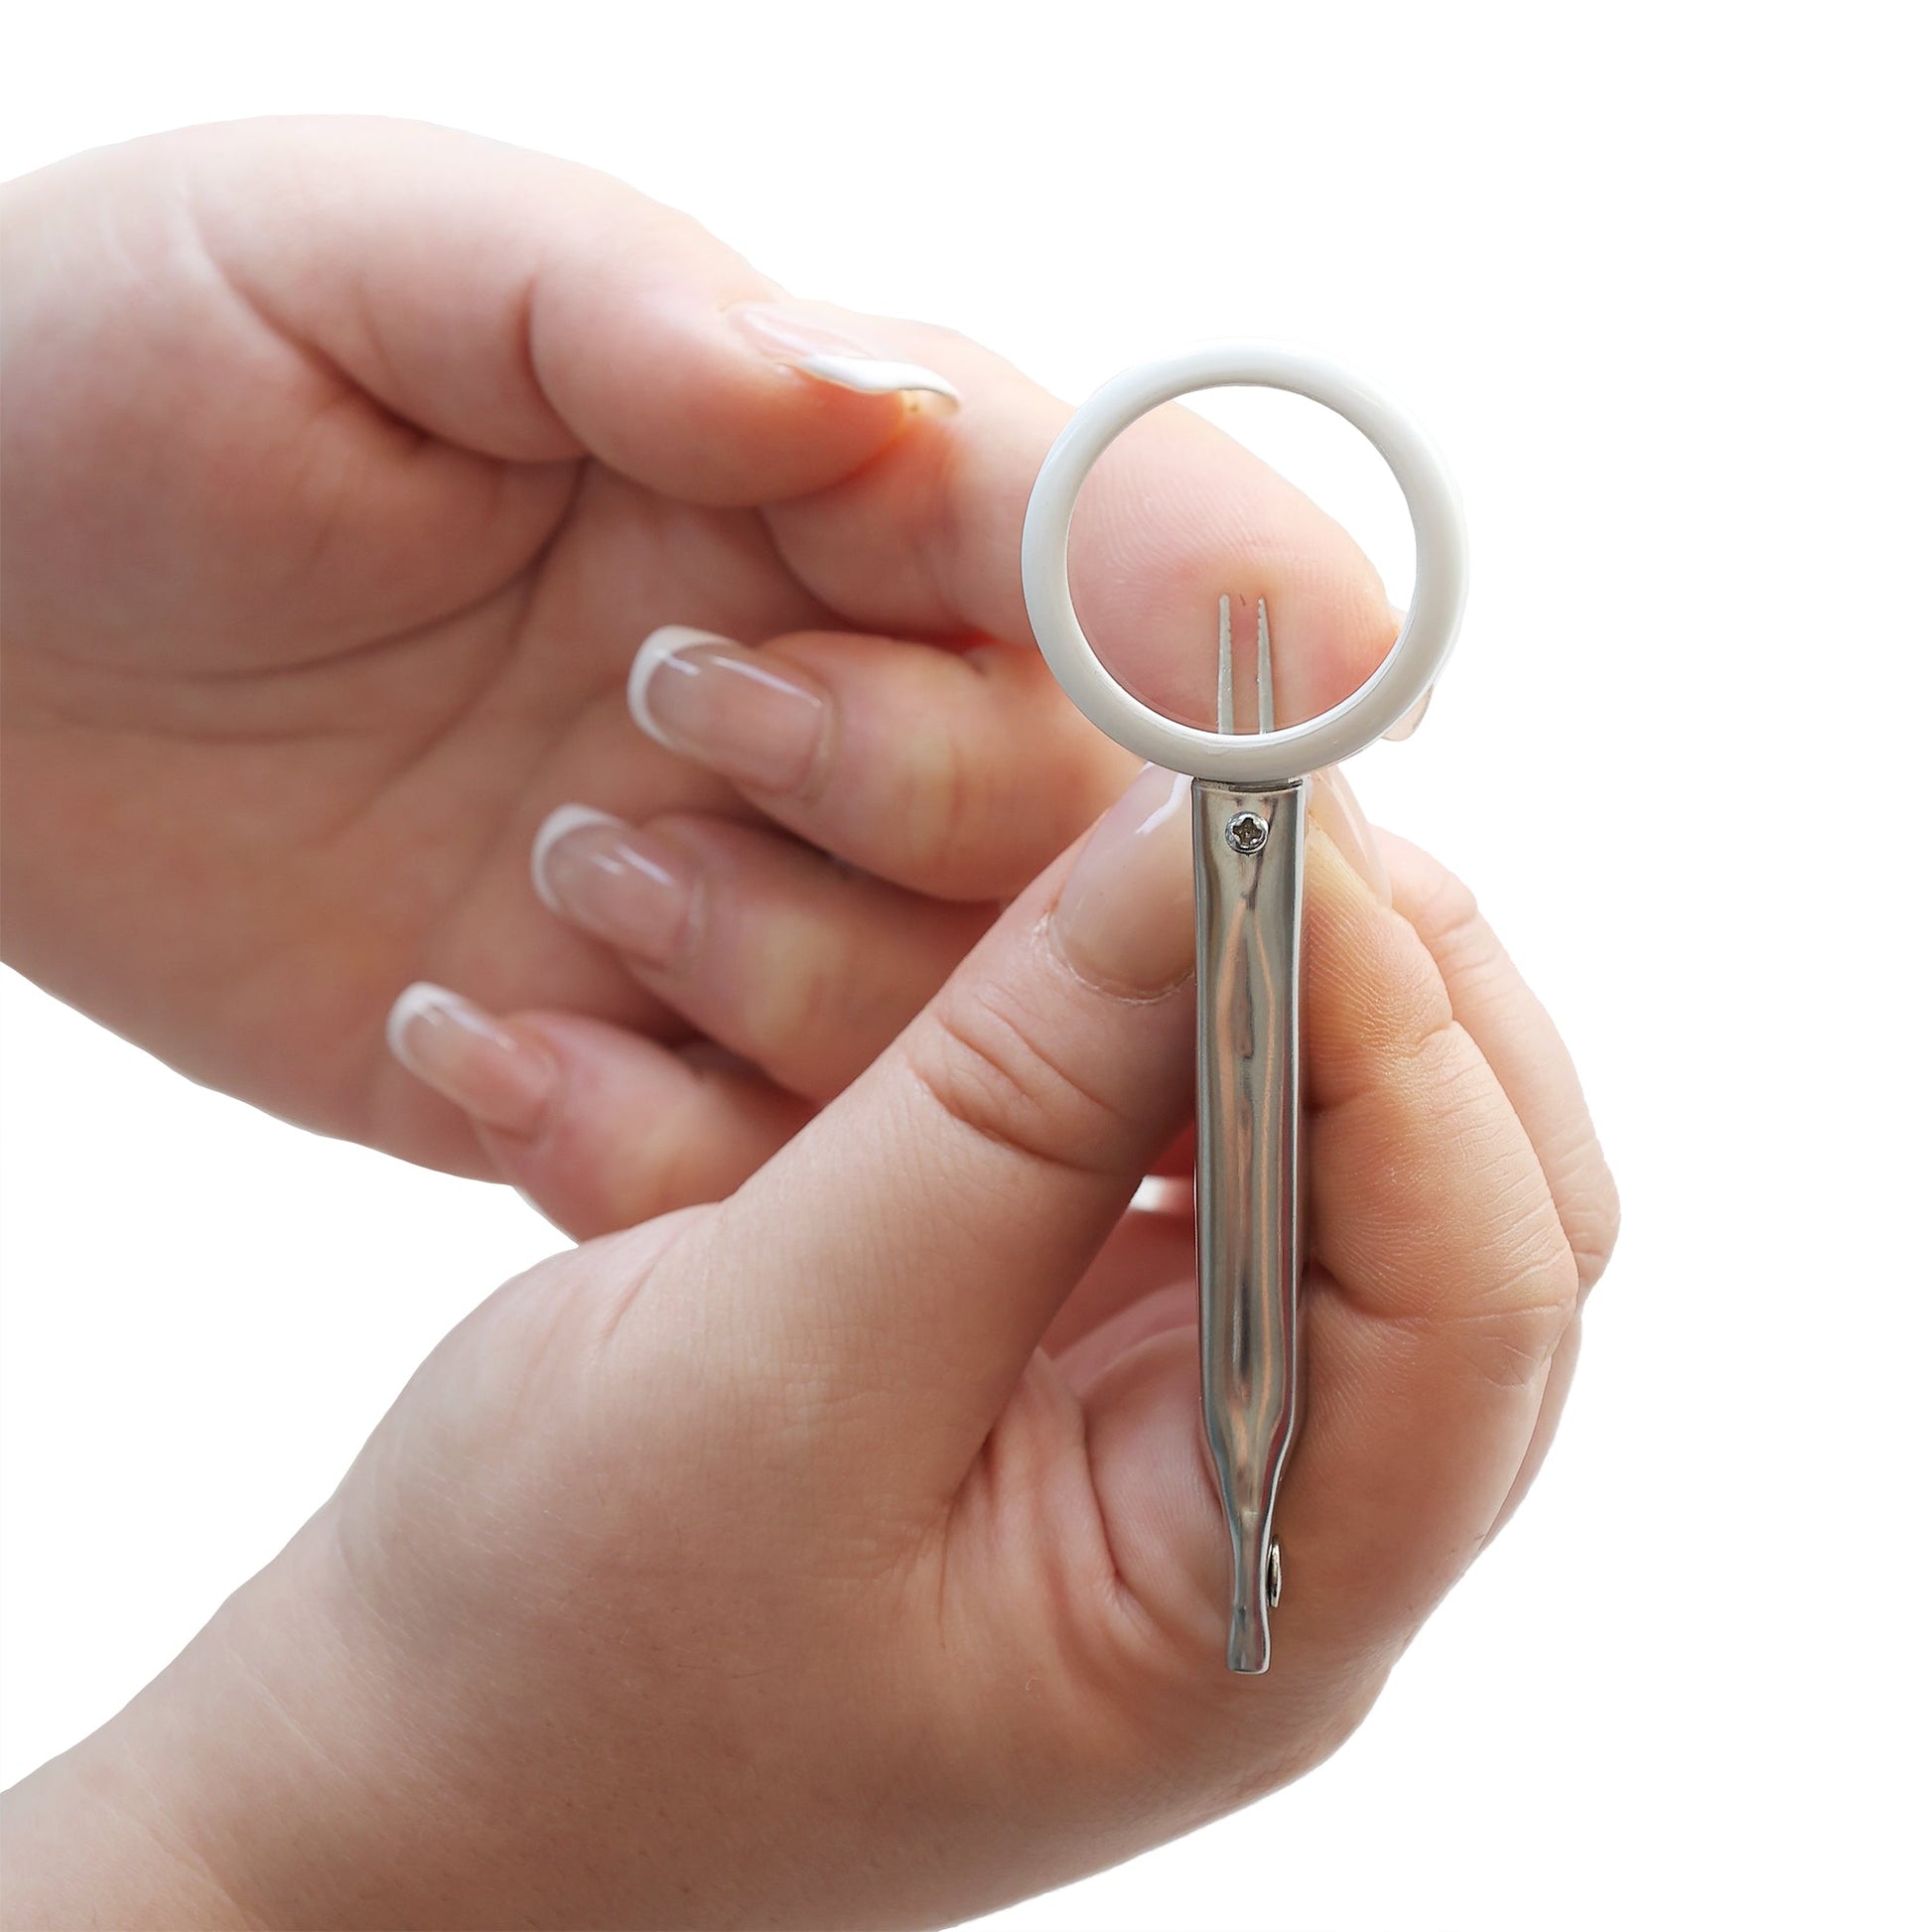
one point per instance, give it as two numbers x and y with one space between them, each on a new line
1250 818
1248 1209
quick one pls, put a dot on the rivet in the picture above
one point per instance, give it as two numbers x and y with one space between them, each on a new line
1247 833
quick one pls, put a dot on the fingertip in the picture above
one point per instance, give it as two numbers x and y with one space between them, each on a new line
663 644
563 821
497 1075
636 1129
415 999
685 375
799 339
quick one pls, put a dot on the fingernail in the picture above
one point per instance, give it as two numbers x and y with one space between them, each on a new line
802 342
1165 1193
1125 919
619 882
565 819
1334 807
1404 725
453 1046
731 709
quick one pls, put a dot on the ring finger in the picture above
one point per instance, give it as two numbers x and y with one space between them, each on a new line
772 951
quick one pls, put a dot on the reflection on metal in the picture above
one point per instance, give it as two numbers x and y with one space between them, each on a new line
1248 1209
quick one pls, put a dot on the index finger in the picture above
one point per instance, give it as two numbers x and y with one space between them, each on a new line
924 540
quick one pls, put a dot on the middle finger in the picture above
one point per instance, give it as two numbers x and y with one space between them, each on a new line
956 773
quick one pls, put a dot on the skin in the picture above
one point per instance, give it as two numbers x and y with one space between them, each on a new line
347 463
841 1550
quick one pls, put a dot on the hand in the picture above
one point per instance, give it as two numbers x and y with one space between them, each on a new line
845 1553
346 466
588 1119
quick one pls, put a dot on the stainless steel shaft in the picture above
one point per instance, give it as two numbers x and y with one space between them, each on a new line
1248 1196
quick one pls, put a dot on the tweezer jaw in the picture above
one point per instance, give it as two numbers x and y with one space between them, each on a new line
1248 931
1224 678
1264 674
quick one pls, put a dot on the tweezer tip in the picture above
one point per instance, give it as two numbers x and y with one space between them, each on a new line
1224 685
1264 670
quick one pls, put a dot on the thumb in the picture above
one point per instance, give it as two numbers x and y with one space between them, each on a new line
904 1253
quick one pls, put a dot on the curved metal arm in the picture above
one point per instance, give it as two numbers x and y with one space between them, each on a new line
1247 1205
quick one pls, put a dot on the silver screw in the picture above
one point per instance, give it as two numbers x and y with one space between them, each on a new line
1247 833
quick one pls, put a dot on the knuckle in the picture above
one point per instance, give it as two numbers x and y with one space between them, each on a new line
982 1061
1507 1350
1593 1219
1446 910
1511 1334
790 968
1486 1257
824 996
1534 1278
1442 898
929 801
1446 915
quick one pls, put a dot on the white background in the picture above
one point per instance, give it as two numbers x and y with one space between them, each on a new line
1653 276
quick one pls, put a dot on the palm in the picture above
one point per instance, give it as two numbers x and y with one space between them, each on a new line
346 466
350 794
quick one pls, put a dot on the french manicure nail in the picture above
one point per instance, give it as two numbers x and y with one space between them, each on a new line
799 340
1124 917
1165 1193
1334 807
565 819
733 710
623 883
452 1044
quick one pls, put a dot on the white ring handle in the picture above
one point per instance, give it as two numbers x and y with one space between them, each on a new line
1257 759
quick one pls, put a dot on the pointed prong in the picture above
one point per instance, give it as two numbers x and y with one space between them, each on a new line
1264 670
1224 686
